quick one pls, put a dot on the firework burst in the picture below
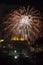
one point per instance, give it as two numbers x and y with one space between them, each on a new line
23 23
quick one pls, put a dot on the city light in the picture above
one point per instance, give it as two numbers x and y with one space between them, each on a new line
1 40
15 57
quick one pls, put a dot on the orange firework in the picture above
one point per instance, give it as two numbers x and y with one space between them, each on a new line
23 23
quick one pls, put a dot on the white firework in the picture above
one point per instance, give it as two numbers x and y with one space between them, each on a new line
23 23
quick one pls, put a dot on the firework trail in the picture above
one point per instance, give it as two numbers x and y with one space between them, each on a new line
23 23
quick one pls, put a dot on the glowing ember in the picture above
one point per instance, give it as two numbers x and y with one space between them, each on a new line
23 23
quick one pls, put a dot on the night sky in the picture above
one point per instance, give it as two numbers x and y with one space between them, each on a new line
7 5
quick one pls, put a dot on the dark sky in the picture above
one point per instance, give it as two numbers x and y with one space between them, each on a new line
37 3
7 5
